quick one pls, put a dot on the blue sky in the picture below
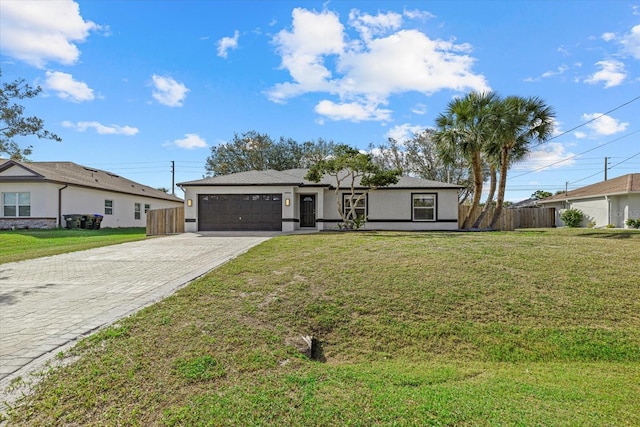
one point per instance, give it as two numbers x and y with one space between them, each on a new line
132 85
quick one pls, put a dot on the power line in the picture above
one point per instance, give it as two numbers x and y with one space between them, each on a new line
579 154
628 158
587 122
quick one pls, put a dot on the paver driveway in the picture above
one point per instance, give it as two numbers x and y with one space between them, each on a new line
47 303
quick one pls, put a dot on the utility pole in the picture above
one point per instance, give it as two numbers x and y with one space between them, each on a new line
566 187
173 177
606 167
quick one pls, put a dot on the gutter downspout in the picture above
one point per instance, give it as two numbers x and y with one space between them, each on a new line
60 205
606 197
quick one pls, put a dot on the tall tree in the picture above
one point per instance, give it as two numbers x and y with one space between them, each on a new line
349 167
541 194
255 151
13 122
462 132
519 123
419 157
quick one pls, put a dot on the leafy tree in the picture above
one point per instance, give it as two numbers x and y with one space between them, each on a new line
419 157
518 122
541 194
462 132
349 167
13 122
255 151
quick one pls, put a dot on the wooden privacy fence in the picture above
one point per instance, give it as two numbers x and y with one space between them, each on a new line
510 219
165 221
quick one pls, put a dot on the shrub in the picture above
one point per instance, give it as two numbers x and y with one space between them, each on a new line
572 217
633 223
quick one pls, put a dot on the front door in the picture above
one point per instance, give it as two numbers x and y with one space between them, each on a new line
307 211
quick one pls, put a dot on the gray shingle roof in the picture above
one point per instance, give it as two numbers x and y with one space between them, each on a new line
629 183
296 177
74 174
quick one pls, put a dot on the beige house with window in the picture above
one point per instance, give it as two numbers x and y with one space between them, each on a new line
40 194
607 202
285 201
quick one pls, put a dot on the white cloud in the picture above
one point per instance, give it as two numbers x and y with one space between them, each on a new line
608 36
550 155
419 109
101 129
226 43
191 141
363 73
580 135
605 125
418 14
404 132
561 70
67 88
38 32
612 73
631 42
168 92
353 111
370 25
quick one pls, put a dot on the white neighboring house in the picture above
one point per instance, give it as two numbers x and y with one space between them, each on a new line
607 202
285 201
40 194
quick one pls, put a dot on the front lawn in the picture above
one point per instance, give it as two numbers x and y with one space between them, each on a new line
536 327
19 245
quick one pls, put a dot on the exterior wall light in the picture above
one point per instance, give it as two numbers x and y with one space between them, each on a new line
287 202
189 202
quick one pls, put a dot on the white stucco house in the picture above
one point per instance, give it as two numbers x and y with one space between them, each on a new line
40 194
285 201
607 202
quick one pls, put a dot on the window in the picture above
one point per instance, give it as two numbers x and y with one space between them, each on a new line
16 204
424 207
360 206
108 207
147 208
136 211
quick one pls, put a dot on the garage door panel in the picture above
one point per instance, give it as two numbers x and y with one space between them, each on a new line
239 212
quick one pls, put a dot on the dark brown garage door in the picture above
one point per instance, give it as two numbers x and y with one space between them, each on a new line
240 212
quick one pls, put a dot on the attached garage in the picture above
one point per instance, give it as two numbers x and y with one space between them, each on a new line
240 212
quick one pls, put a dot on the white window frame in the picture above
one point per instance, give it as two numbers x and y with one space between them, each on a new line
433 209
108 207
346 207
17 205
147 207
137 209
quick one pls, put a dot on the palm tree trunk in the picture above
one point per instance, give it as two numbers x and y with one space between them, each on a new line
504 166
476 164
492 191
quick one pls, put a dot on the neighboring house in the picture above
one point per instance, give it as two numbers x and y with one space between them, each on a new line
607 202
285 201
39 194
527 203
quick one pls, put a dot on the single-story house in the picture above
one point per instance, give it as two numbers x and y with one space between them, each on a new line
607 202
40 194
286 201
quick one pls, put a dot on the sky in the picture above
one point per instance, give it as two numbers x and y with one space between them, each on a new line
132 86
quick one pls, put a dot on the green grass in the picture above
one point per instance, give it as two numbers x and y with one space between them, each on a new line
27 244
535 327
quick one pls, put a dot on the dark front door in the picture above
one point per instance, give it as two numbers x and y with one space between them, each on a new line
307 211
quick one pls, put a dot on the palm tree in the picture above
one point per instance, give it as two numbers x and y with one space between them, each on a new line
518 122
462 131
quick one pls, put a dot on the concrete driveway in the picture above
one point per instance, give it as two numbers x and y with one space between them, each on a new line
46 304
